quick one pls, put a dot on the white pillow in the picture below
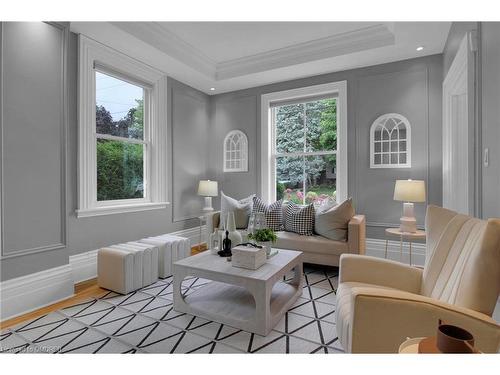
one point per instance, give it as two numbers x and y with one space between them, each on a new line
242 209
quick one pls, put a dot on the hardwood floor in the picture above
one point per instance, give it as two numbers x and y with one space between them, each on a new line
84 290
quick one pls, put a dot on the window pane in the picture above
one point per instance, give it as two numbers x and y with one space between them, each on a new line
290 179
120 172
321 125
290 128
321 179
119 107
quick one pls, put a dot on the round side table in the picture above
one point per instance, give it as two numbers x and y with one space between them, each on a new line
403 236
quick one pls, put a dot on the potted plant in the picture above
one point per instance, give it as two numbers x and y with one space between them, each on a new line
264 238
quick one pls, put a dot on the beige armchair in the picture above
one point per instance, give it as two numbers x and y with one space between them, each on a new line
380 302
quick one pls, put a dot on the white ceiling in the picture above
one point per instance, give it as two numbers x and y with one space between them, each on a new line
236 55
249 38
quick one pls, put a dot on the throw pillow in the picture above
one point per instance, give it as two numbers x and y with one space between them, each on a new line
242 209
299 219
333 223
273 213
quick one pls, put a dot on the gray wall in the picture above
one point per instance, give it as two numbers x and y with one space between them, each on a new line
38 209
411 87
490 117
33 148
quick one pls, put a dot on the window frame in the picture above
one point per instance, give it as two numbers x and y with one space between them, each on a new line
243 143
268 135
381 121
93 57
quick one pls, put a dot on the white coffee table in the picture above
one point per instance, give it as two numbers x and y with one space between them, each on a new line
253 301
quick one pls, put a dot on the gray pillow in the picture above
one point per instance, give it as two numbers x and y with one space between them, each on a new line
333 223
242 209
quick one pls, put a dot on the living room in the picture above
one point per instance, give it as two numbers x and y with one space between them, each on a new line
292 186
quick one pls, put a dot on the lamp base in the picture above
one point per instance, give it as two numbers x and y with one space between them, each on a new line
408 221
408 224
208 204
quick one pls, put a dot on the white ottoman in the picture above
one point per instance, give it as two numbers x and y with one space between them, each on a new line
150 274
138 268
171 249
116 270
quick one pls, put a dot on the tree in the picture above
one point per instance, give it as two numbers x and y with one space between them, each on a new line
328 137
120 164
103 120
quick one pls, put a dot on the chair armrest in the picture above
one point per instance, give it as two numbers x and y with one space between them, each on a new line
383 272
383 319
356 234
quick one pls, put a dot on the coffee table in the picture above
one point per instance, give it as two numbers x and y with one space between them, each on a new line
251 300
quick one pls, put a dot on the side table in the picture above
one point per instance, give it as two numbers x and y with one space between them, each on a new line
403 236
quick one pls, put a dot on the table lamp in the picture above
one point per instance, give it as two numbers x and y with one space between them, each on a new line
409 191
208 189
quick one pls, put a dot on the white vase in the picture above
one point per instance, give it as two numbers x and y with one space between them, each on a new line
266 245
234 235
214 242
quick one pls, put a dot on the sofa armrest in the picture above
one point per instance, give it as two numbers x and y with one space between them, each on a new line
383 319
356 234
383 272
212 222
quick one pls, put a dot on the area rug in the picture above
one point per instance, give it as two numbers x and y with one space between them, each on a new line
145 322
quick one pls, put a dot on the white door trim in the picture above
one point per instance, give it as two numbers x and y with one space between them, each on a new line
458 131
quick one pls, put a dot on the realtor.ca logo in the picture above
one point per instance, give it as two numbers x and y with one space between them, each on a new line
32 349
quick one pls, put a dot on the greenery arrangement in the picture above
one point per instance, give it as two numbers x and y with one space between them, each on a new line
263 235
120 164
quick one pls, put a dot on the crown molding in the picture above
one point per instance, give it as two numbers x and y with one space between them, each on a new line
164 40
336 45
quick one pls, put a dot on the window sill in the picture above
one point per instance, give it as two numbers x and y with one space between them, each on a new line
111 210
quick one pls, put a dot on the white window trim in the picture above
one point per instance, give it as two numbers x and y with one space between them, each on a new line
92 54
377 122
243 151
268 164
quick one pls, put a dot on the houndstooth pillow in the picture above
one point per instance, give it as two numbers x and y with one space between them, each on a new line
273 213
299 219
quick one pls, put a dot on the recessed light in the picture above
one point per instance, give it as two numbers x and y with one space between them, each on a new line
420 48
212 88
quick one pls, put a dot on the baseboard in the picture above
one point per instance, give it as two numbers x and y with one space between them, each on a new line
376 247
27 293
83 266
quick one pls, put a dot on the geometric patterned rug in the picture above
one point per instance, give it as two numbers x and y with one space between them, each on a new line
144 322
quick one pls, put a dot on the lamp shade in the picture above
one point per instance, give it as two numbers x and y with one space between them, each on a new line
409 191
207 188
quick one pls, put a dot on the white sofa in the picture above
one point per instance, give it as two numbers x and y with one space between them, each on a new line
317 249
380 302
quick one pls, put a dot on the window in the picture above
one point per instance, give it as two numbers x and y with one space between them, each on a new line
235 152
303 142
122 139
390 142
